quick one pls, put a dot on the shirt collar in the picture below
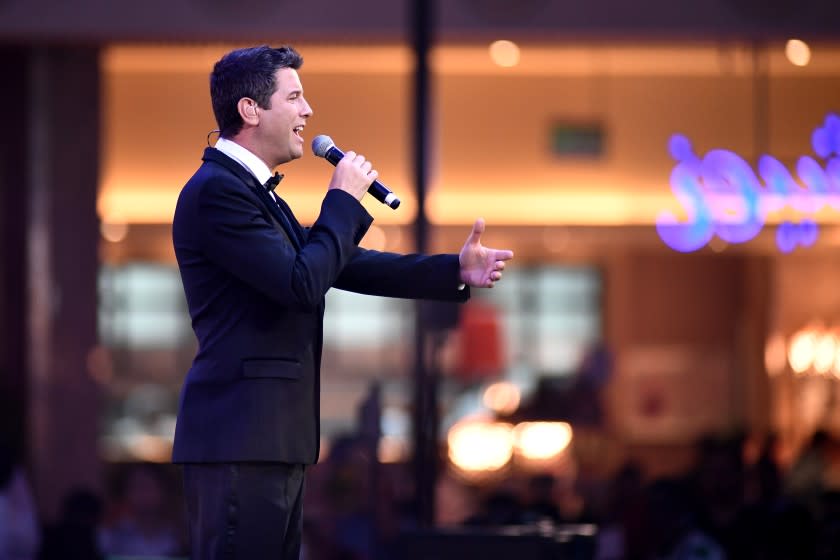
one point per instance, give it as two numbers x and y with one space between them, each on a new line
245 158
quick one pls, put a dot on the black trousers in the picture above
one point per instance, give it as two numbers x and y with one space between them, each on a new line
244 511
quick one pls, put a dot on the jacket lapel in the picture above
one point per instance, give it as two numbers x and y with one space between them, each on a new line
282 222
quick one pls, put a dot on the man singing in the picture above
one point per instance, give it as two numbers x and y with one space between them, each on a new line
255 282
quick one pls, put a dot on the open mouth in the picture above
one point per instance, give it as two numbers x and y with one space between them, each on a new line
298 130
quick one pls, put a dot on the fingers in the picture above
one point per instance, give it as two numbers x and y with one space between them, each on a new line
354 174
358 160
495 274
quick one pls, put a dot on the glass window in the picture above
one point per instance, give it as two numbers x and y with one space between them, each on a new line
145 333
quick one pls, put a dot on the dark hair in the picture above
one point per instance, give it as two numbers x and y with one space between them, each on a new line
247 73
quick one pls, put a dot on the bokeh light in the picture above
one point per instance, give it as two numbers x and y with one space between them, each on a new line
836 369
802 350
542 440
798 52
502 397
392 449
480 445
504 53
775 355
825 352
113 232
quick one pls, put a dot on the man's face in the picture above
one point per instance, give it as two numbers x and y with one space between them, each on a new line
281 127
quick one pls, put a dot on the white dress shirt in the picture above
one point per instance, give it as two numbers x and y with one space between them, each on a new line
246 159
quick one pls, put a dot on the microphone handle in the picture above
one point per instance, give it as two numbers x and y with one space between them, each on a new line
377 190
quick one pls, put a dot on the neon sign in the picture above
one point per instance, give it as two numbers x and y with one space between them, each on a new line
723 196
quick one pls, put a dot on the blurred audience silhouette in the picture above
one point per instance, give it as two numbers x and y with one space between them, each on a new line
142 521
75 535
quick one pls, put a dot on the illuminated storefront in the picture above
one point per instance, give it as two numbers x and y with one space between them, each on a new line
579 158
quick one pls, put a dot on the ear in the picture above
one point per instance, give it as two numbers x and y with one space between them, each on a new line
247 108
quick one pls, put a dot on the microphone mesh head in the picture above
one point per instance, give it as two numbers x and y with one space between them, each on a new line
321 145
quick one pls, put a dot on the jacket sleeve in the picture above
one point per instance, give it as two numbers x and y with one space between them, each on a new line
236 236
403 276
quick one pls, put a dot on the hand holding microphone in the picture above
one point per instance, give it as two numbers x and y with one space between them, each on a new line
353 174
353 170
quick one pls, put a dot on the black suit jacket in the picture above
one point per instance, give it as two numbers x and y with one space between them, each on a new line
255 282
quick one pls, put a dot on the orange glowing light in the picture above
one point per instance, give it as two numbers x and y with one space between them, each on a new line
542 440
480 445
802 351
502 397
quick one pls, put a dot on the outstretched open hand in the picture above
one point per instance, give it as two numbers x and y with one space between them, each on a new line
481 267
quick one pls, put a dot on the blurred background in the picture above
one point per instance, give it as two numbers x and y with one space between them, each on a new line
657 376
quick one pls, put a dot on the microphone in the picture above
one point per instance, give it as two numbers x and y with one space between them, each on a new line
323 146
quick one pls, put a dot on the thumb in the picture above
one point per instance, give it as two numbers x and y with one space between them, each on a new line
478 229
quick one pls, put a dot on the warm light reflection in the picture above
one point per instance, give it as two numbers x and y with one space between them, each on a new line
802 350
504 53
825 352
143 173
375 239
542 440
480 445
450 202
775 355
798 52
152 448
149 203
502 397
812 351
134 204
574 205
113 232
583 205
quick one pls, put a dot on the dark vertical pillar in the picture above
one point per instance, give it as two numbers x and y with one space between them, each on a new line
425 425
14 178
50 164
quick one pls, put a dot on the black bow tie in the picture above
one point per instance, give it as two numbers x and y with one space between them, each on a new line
272 182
